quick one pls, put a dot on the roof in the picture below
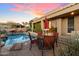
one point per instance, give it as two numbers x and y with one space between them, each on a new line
59 11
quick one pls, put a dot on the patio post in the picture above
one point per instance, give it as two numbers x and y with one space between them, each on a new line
59 26
32 27
42 25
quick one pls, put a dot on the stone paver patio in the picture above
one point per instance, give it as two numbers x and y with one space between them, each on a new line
26 52
35 51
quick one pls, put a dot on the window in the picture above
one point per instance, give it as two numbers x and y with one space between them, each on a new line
70 24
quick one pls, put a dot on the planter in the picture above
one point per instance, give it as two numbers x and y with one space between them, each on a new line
48 41
49 34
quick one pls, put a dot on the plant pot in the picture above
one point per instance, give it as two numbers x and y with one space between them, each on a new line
49 34
48 41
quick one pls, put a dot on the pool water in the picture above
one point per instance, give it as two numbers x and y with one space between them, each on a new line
16 38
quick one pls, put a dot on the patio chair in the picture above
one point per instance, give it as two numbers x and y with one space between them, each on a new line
32 41
39 42
3 39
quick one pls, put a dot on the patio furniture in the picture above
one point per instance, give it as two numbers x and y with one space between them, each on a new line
46 42
3 39
39 42
32 41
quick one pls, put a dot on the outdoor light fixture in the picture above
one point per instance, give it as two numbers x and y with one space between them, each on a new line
72 13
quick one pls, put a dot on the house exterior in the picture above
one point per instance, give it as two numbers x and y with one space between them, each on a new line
65 19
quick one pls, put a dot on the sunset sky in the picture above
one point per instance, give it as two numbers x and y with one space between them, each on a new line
19 12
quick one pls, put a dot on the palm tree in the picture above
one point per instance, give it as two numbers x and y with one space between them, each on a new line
26 24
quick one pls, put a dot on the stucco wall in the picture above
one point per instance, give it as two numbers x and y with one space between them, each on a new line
54 23
59 26
76 23
64 25
57 23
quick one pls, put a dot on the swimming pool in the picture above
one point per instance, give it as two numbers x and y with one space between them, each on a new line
16 38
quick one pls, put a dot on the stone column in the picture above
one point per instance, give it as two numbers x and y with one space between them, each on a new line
59 27
32 27
50 24
42 25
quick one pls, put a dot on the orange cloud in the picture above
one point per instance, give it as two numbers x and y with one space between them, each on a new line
37 9
38 13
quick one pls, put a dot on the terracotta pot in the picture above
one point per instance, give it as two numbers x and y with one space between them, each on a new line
49 41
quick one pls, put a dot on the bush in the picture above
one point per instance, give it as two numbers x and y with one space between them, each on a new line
2 32
37 27
52 29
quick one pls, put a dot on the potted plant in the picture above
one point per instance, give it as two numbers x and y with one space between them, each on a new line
52 30
48 38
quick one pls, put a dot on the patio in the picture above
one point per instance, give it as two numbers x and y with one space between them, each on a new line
63 48
26 52
33 52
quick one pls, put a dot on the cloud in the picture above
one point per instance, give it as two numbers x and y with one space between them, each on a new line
37 9
18 7
26 11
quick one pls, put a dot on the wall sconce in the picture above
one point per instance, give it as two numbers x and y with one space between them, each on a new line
72 13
